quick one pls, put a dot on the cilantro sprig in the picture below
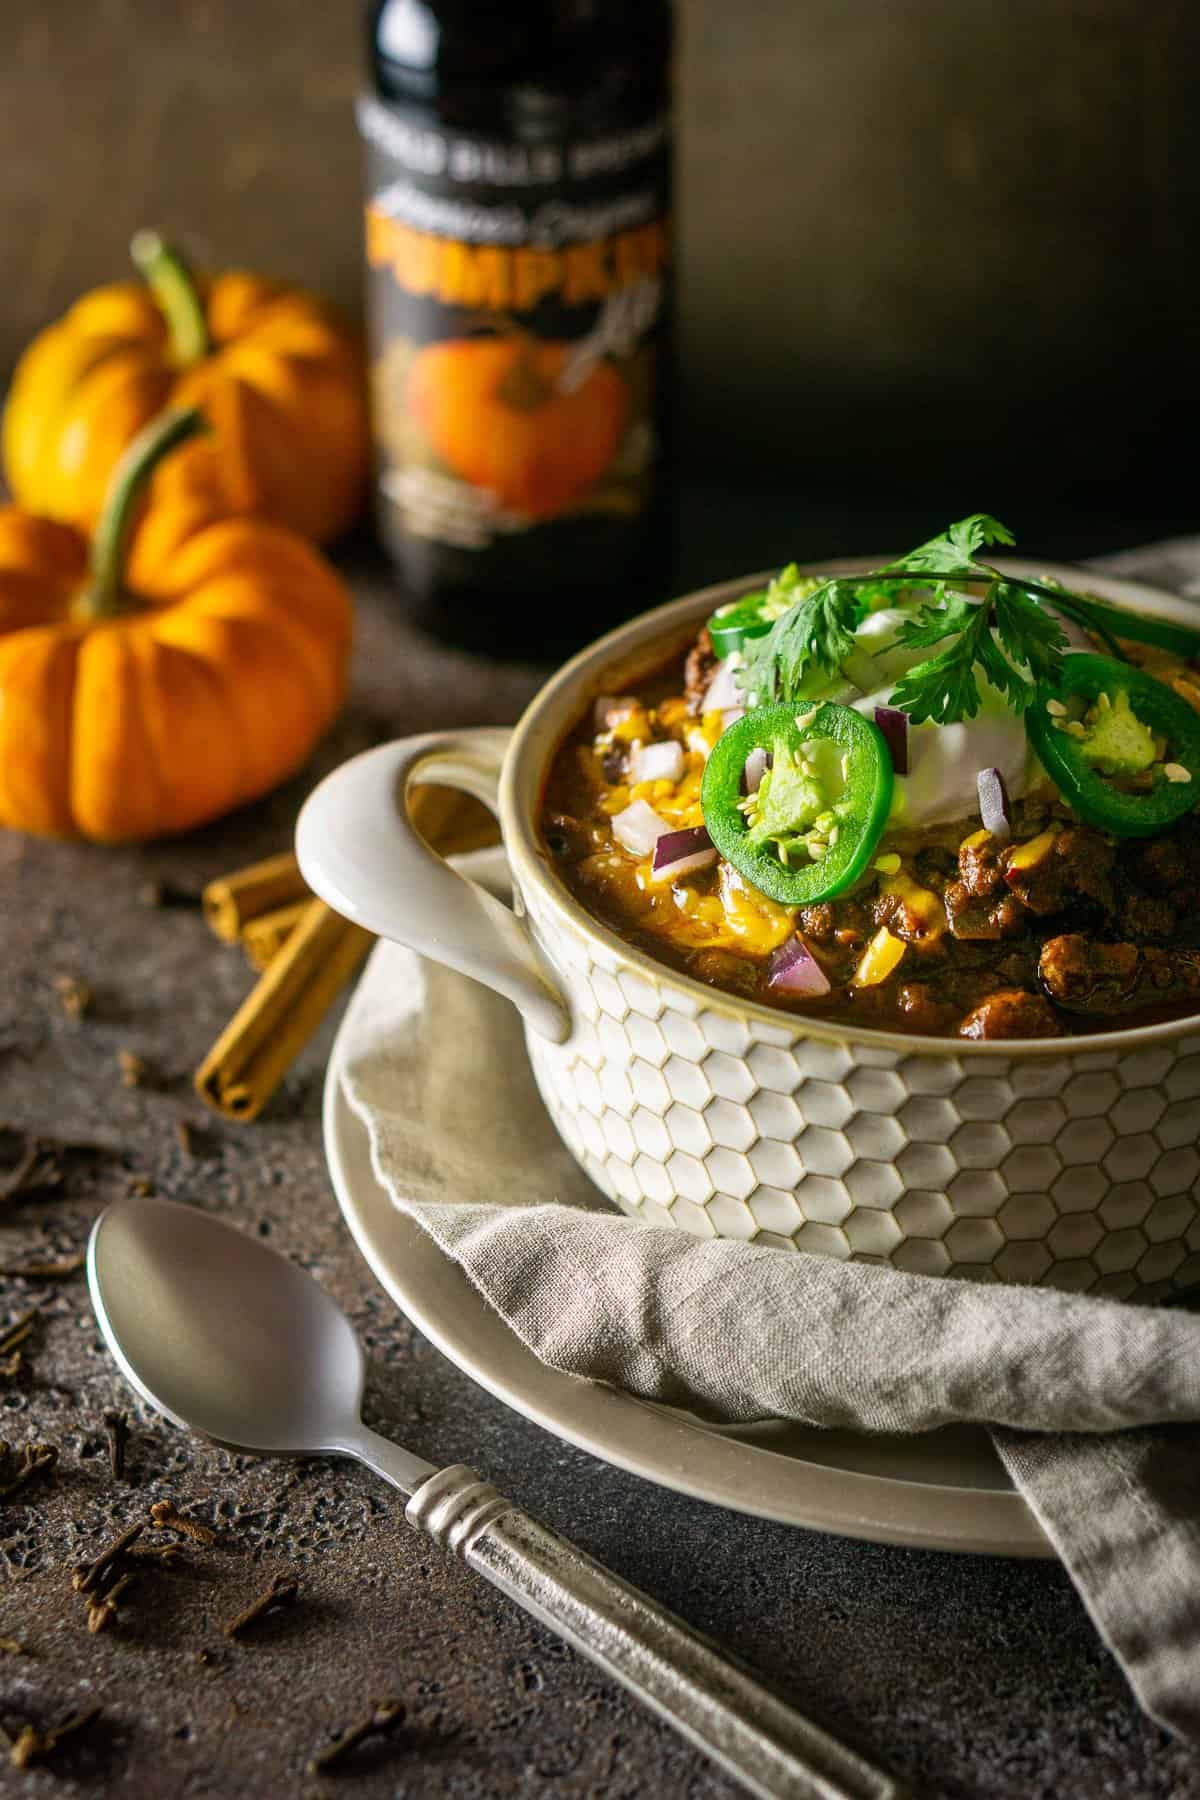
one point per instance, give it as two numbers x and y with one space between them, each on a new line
1008 632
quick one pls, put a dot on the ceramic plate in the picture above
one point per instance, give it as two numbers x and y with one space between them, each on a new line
945 1490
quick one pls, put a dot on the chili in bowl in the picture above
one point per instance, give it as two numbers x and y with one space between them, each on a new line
853 913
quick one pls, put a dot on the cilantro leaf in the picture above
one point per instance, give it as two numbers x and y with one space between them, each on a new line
1009 633
1031 635
944 688
815 634
953 553
947 614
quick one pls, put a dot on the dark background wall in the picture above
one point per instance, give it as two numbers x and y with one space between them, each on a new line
925 243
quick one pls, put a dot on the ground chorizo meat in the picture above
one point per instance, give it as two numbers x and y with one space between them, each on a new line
1011 1013
922 1009
698 670
1072 865
984 919
1084 976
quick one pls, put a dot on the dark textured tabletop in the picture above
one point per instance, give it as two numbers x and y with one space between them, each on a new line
964 1676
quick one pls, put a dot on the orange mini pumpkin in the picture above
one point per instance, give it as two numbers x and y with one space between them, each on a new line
280 381
144 693
499 412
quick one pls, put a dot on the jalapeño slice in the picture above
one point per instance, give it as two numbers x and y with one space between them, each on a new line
1109 770
809 830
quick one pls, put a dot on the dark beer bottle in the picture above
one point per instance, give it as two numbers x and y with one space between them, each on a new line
518 273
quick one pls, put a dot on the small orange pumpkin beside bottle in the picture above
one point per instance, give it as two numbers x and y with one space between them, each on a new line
279 377
181 665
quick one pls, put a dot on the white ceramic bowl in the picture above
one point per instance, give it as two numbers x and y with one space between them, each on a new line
1070 1162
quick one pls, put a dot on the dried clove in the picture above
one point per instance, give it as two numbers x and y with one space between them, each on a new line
92 1576
385 1716
102 1608
34 1746
135 1070
165 1516
37 1167
18 1331
163 894
36 1459
116 1426
75 996
55 1269
164 1556
282 1592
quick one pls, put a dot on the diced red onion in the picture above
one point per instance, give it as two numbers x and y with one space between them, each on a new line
995 808
757 764
638 828
723 692
605 705
657 762
793 969
894 726
679 852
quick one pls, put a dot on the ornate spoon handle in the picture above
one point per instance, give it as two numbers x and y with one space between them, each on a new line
766 1746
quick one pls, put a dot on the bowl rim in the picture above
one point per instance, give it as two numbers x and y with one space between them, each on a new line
555 709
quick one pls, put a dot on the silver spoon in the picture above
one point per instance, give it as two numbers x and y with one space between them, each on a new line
227 1337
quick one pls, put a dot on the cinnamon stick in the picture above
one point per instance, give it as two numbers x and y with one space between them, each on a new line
247 893
276 1020
316 954
264 937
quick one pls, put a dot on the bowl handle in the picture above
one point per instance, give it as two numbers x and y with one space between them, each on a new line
359 851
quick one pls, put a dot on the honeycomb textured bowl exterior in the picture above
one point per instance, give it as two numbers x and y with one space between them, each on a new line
1076 1170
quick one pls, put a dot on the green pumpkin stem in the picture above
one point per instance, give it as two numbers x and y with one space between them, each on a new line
105 594
170 281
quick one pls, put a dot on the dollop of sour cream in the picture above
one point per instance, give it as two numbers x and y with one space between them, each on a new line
943 760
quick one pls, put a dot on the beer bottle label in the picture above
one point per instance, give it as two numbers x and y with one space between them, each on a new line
516 306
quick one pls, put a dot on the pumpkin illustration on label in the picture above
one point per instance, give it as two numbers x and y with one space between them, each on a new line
519 417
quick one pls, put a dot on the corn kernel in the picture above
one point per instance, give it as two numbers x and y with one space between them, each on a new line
1056 709
889 864
1176 772
881 956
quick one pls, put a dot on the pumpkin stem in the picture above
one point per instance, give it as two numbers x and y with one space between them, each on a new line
105 592
170 281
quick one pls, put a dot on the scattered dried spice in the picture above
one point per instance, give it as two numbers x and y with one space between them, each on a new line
102 1608
135 1070
74 996
384 1717
140 1187
37 1167
116 1426
91 1577
165 1516
13 1362
18 1331
34 1746
56 1269
163 1556
282 1592
14 1647
164 894
185 1136
36 1459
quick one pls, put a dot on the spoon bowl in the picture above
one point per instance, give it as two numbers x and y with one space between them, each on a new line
222 1334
